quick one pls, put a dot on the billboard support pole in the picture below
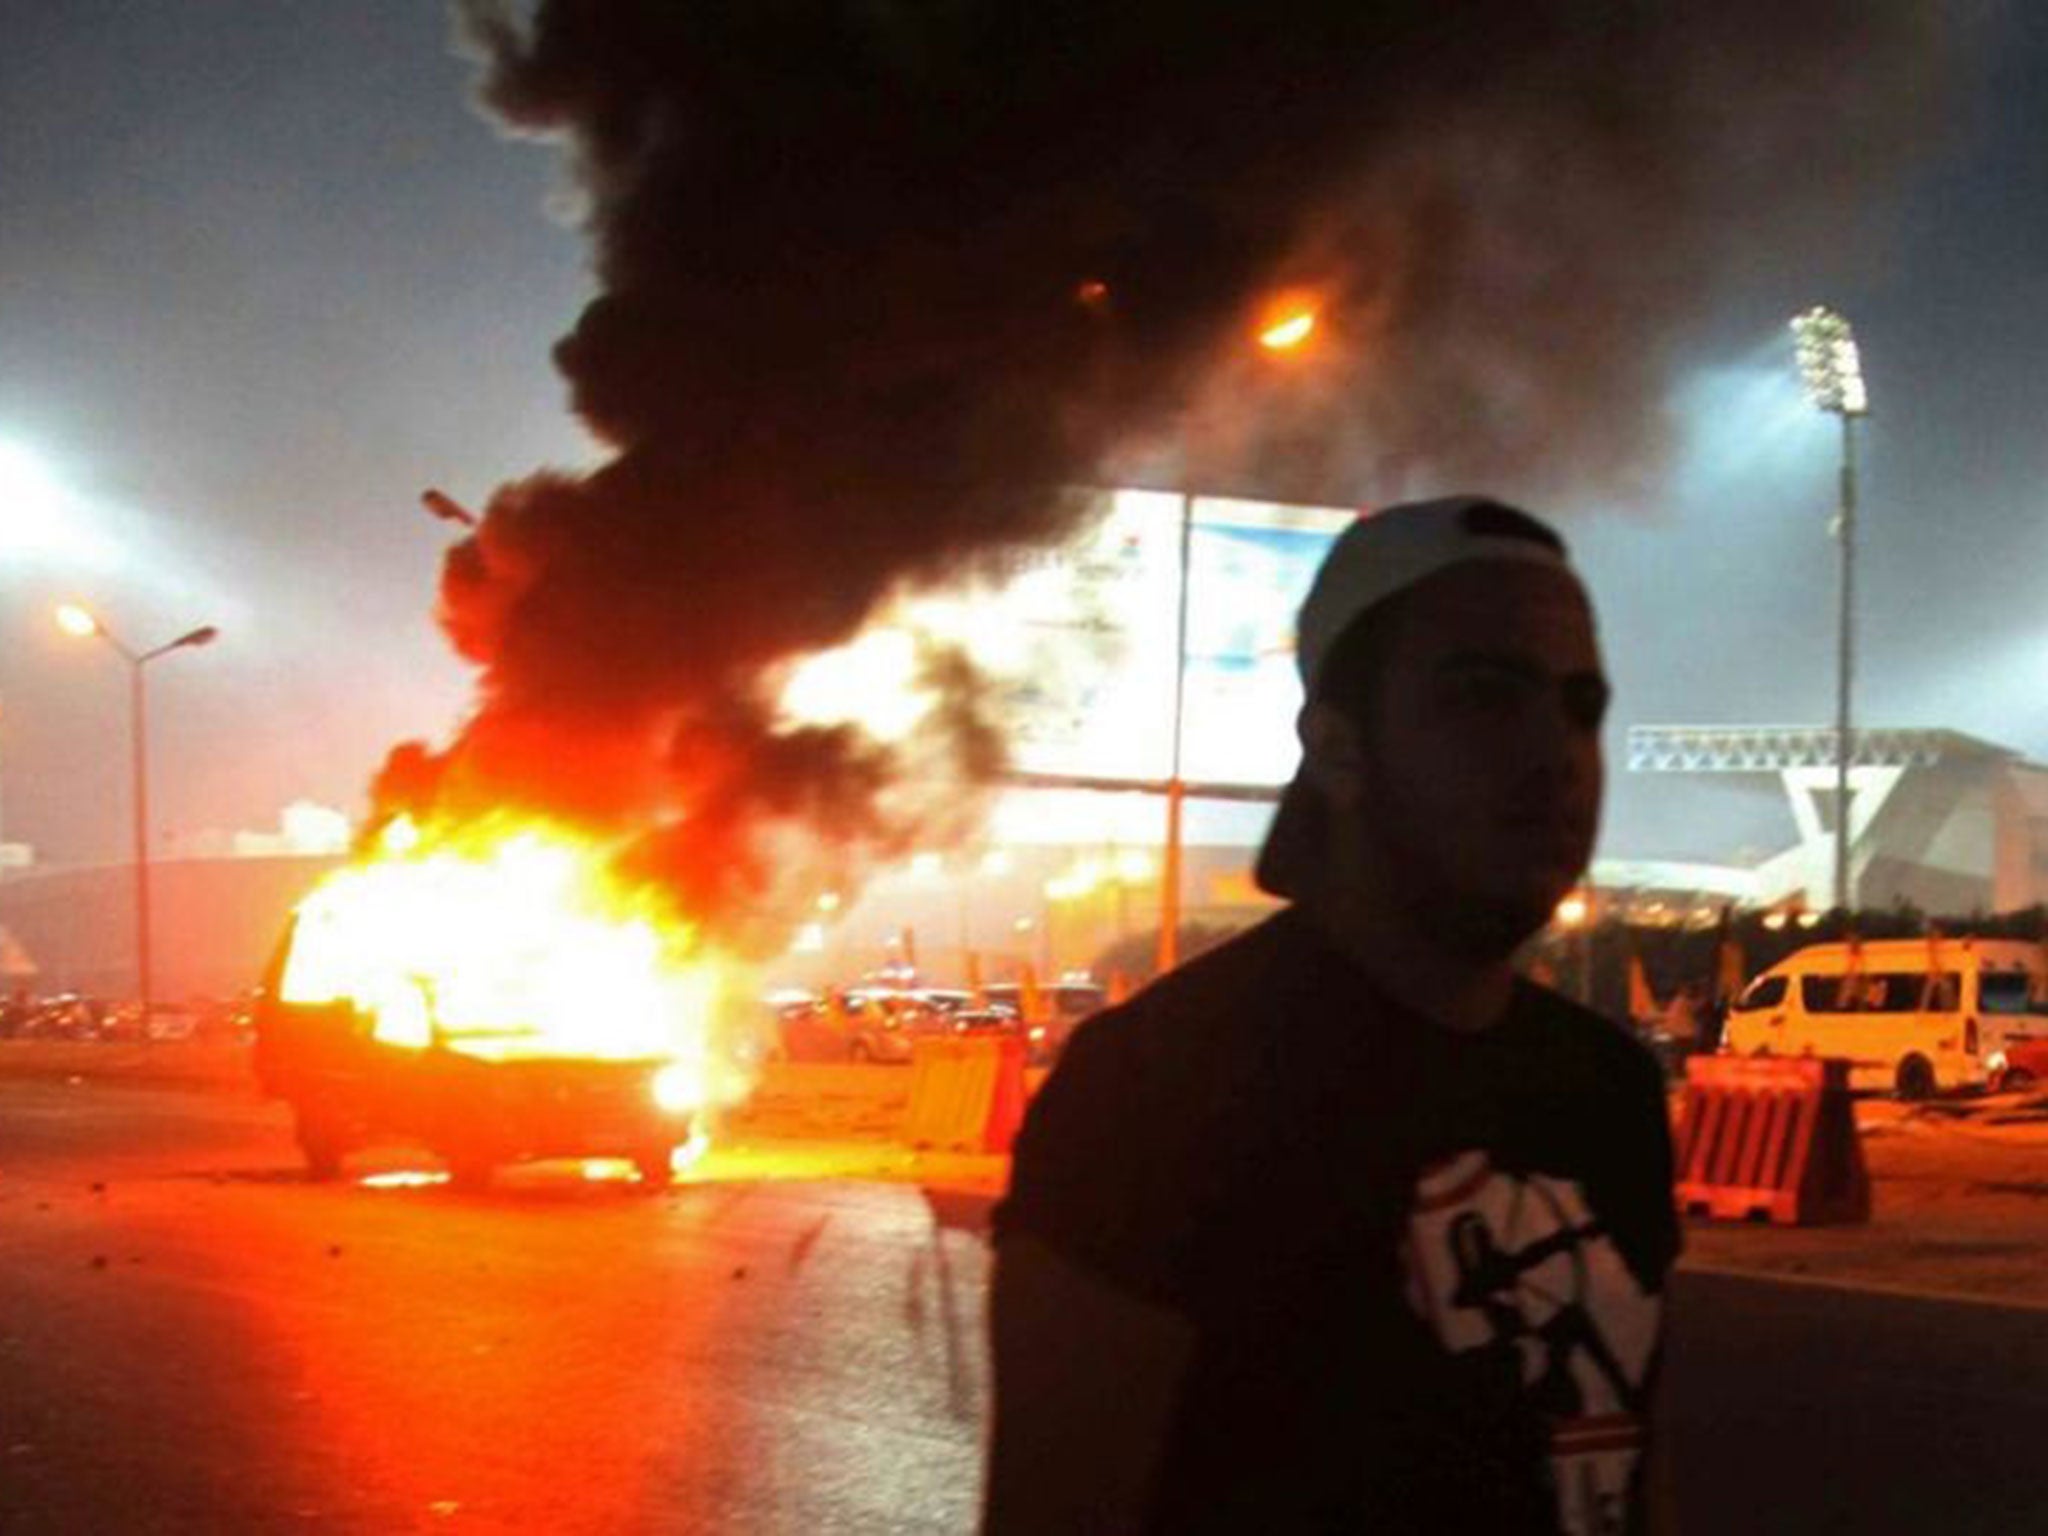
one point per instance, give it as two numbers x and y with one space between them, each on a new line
1176 789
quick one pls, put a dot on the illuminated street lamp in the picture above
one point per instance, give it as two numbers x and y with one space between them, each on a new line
82 623
1574 915
1289 332
1833 372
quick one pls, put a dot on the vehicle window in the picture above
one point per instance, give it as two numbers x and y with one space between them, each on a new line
1944 993
1883 992
2010 992
1764 992
1827 994
1892 993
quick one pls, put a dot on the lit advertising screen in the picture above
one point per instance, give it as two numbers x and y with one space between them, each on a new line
1096 629
1076 648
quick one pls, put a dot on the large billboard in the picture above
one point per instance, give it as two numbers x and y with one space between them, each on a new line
1079 644
1099 621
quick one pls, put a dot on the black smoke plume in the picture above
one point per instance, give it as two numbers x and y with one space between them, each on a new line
880 281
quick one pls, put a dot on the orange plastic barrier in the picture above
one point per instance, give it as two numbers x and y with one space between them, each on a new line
1770 1138
965 1095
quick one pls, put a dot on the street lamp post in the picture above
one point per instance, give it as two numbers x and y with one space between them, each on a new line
1833 372
74 620
1287 330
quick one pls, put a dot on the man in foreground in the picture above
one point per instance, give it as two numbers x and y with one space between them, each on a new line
1344 1227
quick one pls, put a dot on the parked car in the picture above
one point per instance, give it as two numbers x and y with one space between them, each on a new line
1062 1006
988 1021
2021 1063
70 1016
230 1018
806 1030
885 1025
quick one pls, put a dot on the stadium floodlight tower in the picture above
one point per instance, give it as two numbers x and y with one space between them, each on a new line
1833 372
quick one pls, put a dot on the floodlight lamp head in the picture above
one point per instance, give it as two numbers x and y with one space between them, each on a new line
1829 362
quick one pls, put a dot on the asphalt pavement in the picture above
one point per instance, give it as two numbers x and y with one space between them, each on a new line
1811 1408
194 1339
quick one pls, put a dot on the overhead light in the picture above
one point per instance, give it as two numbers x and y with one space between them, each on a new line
1829 362
1286 334
76 621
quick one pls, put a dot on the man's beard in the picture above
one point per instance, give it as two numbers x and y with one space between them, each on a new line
1475 925
1482 928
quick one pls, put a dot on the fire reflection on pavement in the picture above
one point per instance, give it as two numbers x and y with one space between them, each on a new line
730 1356
199 1339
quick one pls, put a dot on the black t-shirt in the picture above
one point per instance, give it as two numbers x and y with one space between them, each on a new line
1425 1268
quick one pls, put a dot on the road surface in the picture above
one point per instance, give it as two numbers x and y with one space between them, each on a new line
194 1339
1811 1408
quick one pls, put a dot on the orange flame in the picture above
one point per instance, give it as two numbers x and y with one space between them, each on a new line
512 938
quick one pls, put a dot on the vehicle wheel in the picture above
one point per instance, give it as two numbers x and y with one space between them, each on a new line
656 1166
1916 1079
323 1143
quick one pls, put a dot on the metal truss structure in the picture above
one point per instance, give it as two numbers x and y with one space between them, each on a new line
1778 748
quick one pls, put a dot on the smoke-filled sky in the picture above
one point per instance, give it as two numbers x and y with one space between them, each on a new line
266 272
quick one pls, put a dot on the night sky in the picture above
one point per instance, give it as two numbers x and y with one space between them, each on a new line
265 274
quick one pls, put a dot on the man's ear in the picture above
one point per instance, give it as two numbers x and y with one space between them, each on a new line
1332 751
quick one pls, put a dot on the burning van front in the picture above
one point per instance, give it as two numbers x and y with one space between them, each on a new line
493 996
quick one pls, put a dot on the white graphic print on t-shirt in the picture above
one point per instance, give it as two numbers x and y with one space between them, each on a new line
1514 1273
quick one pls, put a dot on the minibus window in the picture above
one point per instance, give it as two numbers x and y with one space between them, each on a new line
1895 993
1764 992
1886 992
1829 994
2007 992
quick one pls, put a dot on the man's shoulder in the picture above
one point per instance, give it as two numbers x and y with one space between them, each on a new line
1603 1050
1119 1145
1185 1046
1220 993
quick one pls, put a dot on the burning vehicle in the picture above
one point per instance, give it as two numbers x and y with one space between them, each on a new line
495 995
